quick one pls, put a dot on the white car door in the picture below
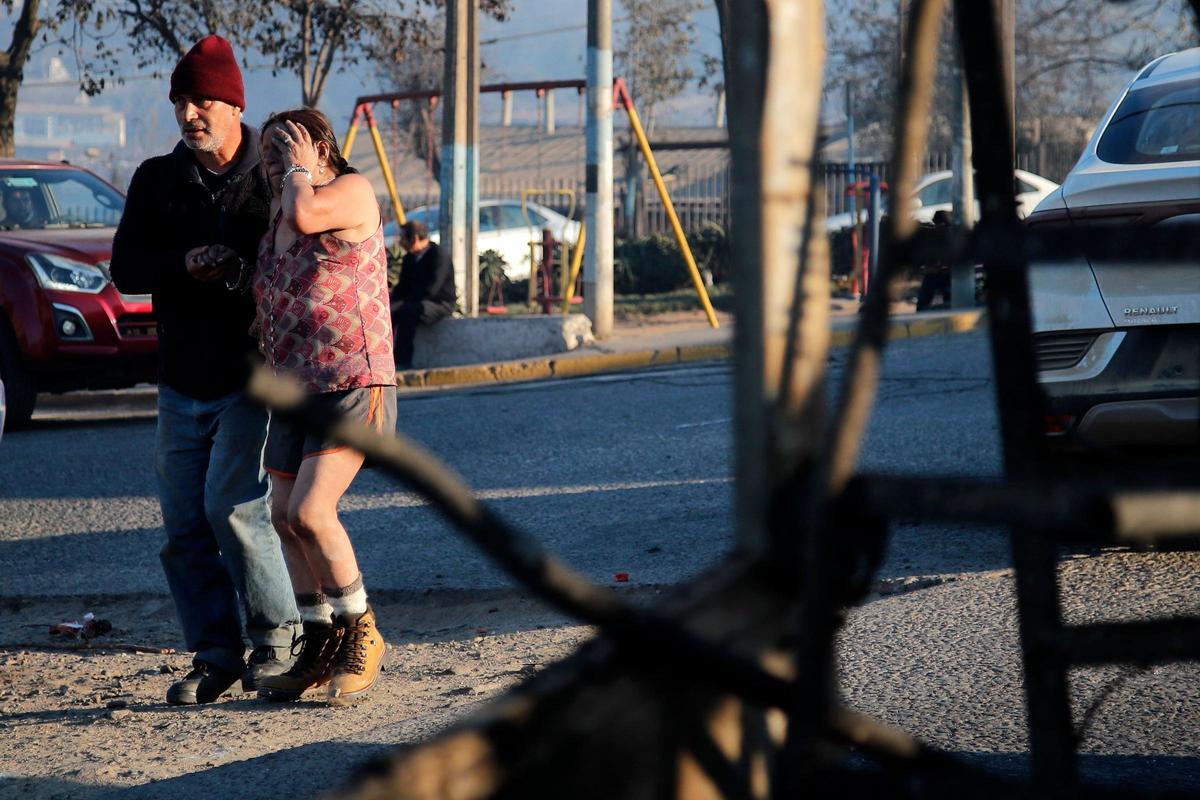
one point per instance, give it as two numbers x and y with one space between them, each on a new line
937 196
515 235
489 230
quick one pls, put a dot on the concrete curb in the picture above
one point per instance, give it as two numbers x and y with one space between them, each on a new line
562 365
572 365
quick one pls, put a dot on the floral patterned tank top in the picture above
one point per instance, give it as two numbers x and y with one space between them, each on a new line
322 310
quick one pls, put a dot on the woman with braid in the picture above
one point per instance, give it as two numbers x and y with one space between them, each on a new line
320 288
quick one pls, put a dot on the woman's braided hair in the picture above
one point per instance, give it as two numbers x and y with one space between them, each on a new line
319 128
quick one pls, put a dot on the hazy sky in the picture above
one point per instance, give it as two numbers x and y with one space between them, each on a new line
544 39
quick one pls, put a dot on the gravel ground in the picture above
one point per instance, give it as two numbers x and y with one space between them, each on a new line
934 654
84 723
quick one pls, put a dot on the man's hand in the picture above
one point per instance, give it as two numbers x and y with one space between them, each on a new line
220 254
202 266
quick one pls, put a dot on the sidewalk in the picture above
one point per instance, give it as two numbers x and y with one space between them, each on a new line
672 339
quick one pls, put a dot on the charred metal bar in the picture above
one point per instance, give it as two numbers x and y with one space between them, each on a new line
1073 512
1019 397
1146 642
1149 517
924 771
725 776
976 501
826 581
638 630
1047 245
774 119
862 373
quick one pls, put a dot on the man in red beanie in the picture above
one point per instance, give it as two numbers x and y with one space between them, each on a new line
191 227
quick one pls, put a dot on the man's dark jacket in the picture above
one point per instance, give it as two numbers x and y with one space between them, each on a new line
425 277
203 328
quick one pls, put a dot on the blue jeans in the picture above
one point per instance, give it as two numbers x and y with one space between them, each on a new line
220 543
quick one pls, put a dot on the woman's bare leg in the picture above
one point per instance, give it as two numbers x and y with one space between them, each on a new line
304 580
312 516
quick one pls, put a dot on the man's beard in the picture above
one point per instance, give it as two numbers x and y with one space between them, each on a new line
210 145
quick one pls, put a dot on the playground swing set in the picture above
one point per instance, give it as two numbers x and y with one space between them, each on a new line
571 258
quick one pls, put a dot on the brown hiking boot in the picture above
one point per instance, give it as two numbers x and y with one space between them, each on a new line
313 666
359 659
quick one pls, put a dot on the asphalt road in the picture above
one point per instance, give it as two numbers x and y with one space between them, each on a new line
632 473
602 470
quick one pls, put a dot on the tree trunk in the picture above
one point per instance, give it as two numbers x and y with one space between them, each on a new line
611 722
12 72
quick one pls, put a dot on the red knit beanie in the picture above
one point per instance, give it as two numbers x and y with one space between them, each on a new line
210 70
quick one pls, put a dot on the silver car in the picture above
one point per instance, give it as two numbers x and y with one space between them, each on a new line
1118 344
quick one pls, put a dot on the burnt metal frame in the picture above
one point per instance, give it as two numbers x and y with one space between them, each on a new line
845 514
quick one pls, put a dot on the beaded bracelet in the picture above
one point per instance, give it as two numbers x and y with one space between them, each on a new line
292 170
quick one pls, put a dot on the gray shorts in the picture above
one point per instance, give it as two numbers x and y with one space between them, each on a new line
288 443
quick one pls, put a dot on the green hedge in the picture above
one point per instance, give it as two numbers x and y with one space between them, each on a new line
655 264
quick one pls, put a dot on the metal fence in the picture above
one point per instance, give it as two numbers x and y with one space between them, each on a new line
700 193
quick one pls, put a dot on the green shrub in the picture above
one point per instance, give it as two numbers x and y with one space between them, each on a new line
491 273
395 254
654 265
712 251
648 266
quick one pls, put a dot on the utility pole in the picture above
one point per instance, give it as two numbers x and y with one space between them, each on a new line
598 261
851 170
1008 30
962 275
459 207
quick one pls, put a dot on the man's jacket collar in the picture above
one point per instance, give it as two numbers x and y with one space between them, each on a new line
248 161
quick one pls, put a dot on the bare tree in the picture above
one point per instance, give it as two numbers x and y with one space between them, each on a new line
1067 54
414 69
654 53
12 68
1065 51
312 38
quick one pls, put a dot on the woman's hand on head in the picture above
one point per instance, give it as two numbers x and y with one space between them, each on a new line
295 146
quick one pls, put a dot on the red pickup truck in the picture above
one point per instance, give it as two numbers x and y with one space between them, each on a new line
63 325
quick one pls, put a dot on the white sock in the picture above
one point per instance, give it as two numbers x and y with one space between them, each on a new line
348 601
314 607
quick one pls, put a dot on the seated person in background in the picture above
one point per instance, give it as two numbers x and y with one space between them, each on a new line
425 293
19 211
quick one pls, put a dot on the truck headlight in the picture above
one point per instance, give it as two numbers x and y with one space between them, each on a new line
66 274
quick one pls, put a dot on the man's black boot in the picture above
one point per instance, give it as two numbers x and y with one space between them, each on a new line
204 684
264 661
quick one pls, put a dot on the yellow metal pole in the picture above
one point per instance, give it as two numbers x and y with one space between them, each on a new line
576 265
387 170
636 124
348 142
348 145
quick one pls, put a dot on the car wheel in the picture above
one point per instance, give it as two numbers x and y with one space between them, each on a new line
20 388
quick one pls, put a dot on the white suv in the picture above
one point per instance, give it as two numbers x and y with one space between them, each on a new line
1118 344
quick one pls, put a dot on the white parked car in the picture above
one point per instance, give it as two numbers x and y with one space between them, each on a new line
1118 344
935 192
504 228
